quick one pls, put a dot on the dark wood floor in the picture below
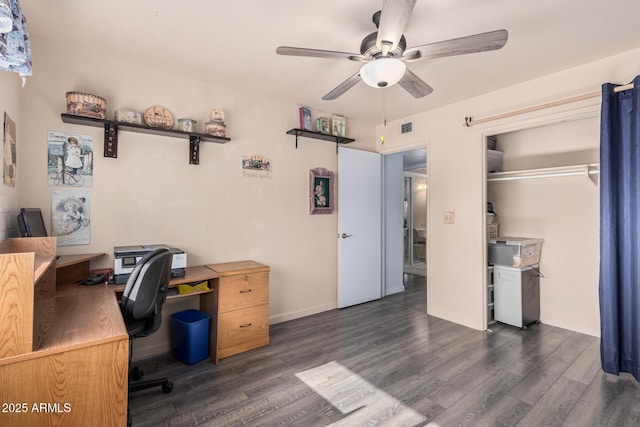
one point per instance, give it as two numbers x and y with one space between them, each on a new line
389 363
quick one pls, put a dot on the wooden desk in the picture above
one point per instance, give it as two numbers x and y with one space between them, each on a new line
75 370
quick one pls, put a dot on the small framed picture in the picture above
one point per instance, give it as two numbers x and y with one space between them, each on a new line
321 197
305 119
338 125
323 125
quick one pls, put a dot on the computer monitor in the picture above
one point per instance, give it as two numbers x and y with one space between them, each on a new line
31 223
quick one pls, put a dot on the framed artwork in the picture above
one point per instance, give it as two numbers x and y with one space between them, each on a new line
305 119
70 217
323 125
321 195
256 166
9 150
70 162
338 125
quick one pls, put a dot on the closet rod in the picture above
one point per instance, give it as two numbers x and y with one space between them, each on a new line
575 170
469 121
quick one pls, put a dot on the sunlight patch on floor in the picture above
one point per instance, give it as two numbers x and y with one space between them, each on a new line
359 400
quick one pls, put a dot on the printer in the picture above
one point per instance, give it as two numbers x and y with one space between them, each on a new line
125 259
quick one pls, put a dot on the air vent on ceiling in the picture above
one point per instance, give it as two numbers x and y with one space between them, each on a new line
406 128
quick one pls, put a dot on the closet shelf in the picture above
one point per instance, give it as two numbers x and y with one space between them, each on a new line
586 170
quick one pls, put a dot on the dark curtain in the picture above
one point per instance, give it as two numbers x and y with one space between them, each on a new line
619 230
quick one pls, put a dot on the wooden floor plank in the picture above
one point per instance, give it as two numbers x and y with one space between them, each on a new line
587 365
552 409
599 402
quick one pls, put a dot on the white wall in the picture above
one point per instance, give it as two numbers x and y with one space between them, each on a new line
564 211
419 201
455 164
150 194
10 103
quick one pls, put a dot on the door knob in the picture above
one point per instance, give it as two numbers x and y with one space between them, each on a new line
345 235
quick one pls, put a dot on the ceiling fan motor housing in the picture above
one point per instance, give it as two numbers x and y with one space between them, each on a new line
369 48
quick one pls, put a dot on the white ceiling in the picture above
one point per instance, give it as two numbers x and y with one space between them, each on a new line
233 43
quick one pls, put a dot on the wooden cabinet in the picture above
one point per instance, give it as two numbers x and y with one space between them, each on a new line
243 307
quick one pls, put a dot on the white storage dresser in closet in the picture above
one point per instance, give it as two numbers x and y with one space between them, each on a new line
516 295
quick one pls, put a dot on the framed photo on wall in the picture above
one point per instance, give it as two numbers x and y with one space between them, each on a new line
338 125
305 118
321 194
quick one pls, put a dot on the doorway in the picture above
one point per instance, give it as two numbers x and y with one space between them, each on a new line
415 212
404 209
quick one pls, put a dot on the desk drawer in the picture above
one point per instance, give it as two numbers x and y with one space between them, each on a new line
243 290
241 326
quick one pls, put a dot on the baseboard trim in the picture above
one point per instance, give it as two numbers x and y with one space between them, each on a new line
301 313
395 290
144 352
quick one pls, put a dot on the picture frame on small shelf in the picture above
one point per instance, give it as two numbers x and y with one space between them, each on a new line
305 119
321 195
338 125
323 125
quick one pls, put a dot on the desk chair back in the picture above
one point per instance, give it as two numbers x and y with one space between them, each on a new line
146 288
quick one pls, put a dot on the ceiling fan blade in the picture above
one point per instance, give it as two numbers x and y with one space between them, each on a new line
393 20
414 85
317 53
470 44
343 87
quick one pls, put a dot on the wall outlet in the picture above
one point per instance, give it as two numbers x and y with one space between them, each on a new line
449 217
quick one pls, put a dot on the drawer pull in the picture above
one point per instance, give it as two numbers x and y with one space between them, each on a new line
245 291
246 325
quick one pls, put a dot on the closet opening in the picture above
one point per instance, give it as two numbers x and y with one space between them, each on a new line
542 183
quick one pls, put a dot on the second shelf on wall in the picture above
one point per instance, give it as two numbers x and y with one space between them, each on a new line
318 135
111 128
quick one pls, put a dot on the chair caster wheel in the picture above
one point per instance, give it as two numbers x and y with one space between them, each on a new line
167 387
137 374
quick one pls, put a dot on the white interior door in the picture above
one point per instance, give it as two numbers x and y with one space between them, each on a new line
359 226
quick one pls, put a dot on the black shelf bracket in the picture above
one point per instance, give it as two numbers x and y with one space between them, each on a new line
194 150
110 146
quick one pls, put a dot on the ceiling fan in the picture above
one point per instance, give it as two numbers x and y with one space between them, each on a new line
385 52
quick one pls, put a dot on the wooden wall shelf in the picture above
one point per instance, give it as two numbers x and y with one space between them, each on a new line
322 136
111 128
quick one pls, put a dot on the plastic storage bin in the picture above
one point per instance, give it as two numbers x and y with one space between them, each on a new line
494 161
190 336
514 251
492 231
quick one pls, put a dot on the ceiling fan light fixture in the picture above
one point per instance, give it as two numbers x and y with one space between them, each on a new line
383 72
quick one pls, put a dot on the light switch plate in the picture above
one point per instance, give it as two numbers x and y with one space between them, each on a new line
449 217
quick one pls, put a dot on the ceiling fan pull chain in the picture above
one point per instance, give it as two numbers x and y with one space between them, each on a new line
384 106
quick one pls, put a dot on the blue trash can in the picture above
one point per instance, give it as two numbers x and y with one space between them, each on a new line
190 336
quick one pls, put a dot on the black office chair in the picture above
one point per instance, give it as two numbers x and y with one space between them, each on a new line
141 307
